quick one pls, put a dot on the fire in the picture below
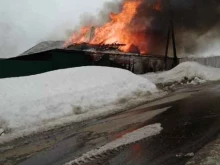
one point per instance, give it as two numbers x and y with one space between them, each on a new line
120 29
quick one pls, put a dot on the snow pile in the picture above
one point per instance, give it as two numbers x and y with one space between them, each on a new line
130 138
85 91
188 72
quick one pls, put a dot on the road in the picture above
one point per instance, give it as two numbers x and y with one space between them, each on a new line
190 117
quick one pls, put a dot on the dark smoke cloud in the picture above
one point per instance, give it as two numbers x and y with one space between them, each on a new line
196 23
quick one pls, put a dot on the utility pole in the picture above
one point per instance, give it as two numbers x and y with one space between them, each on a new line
171 31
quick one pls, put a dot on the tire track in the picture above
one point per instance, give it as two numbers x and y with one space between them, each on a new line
100 155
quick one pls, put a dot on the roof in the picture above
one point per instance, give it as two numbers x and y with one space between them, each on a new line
44 46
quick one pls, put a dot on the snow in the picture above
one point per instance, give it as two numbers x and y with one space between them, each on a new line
208 155
69 95
181 155
44 46
1 131
130 138
187 70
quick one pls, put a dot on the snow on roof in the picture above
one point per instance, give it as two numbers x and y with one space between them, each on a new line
84 91
44 46
184 70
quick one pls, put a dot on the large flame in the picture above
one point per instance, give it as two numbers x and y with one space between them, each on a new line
120 29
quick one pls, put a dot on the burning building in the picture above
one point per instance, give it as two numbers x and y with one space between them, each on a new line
128 33
137 37
122 28
145 27
142 26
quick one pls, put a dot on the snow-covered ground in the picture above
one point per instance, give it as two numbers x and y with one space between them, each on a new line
68 95
38 102
192 71
208 155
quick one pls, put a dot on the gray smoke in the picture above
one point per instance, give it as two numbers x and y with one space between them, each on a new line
25 23
88 19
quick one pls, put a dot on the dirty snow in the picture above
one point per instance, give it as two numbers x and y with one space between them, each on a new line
130 138
181 155
193 71
76 93
208 155
1 131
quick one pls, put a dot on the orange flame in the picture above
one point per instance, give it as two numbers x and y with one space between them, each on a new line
120 29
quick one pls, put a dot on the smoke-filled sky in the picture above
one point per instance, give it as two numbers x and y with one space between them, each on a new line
197 25
24 23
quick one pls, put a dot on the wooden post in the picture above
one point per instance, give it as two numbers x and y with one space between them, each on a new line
167 48
92 33
172 31
174 45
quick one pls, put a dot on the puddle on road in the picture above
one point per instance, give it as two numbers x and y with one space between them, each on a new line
118 122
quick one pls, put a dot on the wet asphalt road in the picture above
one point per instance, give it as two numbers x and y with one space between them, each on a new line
190 121
188 125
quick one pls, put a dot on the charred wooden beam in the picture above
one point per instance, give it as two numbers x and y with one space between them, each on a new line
97 47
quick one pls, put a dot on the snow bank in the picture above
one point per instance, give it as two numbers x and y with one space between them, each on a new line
186 70
28 102
208 155
130 138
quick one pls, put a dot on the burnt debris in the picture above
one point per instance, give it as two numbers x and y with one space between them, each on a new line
96 47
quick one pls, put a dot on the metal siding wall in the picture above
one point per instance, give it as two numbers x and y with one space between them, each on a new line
15 68
70 59
61 59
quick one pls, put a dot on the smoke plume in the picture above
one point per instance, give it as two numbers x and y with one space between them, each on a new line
88 19
24 24
196 24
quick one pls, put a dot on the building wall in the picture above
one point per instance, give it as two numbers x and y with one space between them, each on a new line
60 59
15 68
42 62
144 64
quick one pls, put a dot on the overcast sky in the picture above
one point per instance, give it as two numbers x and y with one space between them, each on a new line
24 23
